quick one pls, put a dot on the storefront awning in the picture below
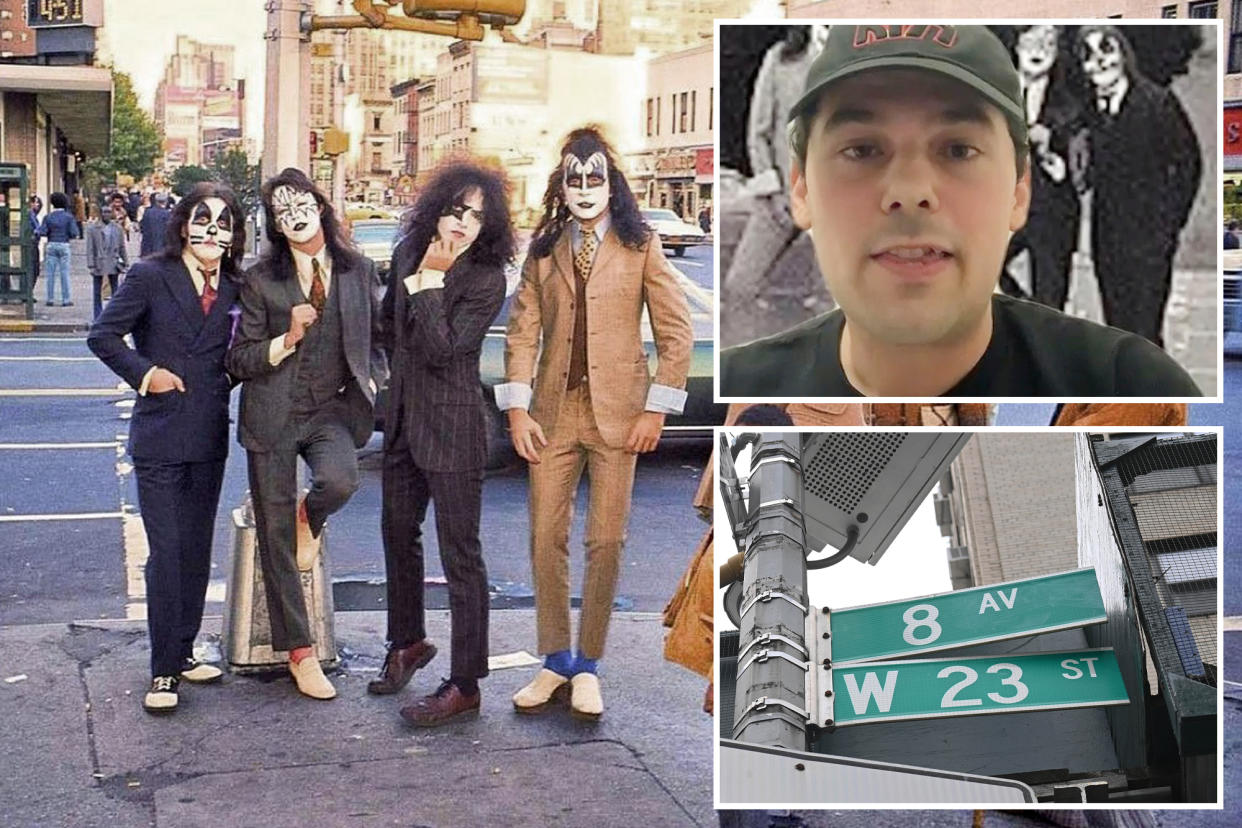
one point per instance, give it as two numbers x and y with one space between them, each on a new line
77 98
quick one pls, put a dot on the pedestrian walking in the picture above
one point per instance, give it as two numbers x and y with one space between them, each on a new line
106 256
58 227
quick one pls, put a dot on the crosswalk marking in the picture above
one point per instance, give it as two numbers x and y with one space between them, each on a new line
63 392
32 446
63 516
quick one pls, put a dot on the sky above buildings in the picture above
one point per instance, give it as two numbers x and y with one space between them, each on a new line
140 36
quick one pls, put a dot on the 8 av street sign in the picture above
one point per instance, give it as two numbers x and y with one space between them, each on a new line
931 688
965 617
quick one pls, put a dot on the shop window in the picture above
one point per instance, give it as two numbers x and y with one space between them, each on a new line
1203 10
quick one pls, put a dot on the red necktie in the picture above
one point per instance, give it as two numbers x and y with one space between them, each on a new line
318 296
209 292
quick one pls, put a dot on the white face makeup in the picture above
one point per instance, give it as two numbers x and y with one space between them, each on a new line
1037 50
1103 61
584 185
297 213
210 231
461 224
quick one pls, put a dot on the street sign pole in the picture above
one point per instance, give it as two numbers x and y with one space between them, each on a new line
770 702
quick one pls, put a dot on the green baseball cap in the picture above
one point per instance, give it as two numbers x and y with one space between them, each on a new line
969 54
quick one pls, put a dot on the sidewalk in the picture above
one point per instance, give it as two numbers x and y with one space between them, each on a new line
77 748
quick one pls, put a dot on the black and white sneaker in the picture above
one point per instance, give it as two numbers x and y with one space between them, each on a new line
162 697
197 672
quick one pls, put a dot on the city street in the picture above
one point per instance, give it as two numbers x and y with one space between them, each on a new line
75 651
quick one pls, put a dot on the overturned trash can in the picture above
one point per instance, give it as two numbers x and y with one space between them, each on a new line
247 635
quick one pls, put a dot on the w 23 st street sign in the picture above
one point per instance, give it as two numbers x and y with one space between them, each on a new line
965 617
931 688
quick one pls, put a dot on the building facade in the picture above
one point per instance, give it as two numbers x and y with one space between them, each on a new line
677 121
55 103
200 103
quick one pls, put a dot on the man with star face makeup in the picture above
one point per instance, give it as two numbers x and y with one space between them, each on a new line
1145 170
911 170
586 400
310 365
176 306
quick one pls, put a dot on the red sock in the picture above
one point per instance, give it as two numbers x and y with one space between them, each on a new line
299 653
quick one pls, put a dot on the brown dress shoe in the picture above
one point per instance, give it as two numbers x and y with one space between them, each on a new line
400 665
445 705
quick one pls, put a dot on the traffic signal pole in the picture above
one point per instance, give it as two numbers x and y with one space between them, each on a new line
770 703
286 107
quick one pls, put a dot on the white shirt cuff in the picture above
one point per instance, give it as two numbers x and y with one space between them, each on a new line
664 399
146 381
277 352
513 395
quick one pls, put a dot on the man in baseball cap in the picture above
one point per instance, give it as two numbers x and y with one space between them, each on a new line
910 172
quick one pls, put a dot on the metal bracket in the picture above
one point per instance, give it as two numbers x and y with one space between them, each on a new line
780 458
764 701
768 638
819 697
784 501
760 536
764 655
768 595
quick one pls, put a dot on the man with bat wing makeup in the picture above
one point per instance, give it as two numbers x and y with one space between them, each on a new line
310 368
593 266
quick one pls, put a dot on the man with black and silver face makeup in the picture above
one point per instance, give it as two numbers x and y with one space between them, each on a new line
310 365
1145 170
586 399
176 304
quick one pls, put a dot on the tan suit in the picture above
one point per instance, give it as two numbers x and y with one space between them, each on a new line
588 427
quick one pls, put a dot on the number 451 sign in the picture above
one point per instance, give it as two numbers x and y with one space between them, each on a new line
928 688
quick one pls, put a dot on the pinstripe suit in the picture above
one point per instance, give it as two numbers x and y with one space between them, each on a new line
435 447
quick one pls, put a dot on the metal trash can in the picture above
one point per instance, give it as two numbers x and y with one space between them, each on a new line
247 634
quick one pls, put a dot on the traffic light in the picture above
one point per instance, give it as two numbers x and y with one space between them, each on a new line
314 142
491 12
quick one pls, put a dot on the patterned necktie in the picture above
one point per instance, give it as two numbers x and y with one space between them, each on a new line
318 296
585 255
209 293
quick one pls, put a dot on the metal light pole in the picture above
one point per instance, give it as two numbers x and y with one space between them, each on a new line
770 702
286 108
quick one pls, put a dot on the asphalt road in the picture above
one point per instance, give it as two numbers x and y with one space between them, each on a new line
65 483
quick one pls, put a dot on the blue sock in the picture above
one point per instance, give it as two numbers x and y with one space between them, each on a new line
582 664
562 661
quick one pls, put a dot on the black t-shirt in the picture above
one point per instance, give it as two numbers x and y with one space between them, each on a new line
1035 351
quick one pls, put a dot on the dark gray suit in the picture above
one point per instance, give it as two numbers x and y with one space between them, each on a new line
435 447
317 403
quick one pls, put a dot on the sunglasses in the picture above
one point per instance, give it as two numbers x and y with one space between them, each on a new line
461 211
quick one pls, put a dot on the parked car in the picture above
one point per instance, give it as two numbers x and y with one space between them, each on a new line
376 238
675 234
1232 276
359 211
700 414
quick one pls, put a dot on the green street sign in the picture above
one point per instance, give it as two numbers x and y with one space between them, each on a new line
968 616
890 691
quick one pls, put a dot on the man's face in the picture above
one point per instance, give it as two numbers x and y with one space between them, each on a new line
584 185
210 231
910 193
1102 59
118 212
463 220
297 213
1037 50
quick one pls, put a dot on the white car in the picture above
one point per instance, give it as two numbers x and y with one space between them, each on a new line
376 238
675 234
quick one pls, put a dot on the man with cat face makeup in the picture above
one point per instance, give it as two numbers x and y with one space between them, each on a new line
592 402
310 367
176 306
1145 169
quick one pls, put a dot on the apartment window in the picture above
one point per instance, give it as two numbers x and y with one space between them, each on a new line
1235 39
650 114
684 97
673 120
711 106
375 123
377 161
657 116
1202 10
1168 11
693 104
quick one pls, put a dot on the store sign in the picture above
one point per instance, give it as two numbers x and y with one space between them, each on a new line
44 14
675 164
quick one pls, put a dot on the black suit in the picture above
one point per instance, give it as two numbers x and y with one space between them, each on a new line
153 226
435 448
276 427
1051 231
1145 166
179 441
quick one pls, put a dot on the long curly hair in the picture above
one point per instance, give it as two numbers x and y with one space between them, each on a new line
179 221
626 221
451 180
278 255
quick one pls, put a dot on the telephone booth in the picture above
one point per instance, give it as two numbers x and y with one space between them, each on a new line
16 239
